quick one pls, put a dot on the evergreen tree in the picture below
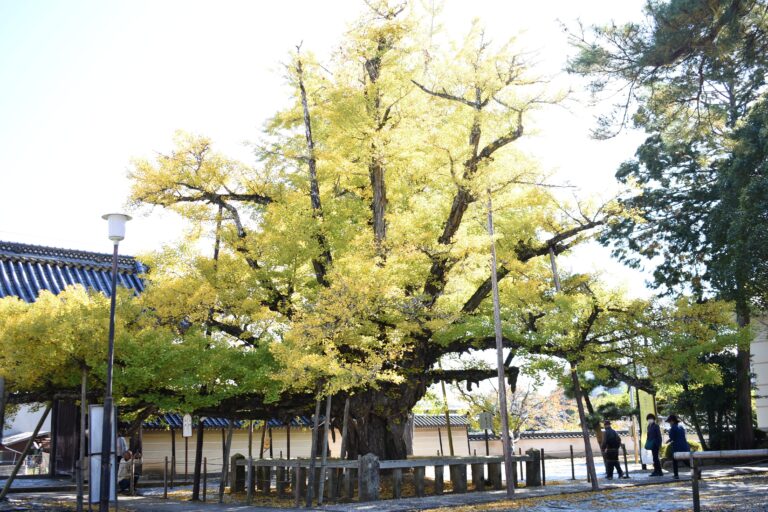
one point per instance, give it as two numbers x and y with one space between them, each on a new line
692 73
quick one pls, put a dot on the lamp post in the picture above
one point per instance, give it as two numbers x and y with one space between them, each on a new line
116 223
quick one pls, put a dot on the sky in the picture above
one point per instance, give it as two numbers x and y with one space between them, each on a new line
89 85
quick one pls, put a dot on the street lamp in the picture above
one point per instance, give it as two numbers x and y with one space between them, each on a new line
116 223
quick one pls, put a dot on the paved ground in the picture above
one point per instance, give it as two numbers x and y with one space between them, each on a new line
748 492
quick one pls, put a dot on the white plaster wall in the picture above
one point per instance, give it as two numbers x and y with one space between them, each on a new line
759 351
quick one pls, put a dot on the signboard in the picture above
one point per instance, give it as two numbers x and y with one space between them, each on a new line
647 406
486 421
95 426
186 429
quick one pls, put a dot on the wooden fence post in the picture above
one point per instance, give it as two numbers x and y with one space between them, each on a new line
573 467
205 477
165 479
694 484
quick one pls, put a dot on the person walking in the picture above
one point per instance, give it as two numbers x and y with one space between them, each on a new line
610 448
653 443
677 438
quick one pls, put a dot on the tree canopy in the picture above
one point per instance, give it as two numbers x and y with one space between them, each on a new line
693 77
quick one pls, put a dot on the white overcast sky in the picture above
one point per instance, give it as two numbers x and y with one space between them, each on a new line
87 85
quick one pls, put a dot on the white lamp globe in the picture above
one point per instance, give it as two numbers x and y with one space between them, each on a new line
116 224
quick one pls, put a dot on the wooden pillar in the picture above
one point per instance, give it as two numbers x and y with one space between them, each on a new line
477 477
459 478
397 483
280 481
173 456
439 483
288 440
418 475
299 484
494 475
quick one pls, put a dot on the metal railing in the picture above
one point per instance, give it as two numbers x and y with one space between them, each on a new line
694 459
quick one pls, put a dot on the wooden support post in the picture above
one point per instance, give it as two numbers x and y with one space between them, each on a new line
263 435
288 440
250 439
694 484
330 490
131 483
349 483
165 479
440 439
225 461
198 469
300 488
313 454
397 483
205 477
324 456
494 475
266 474
522 474
459 478
626 467
477 476
439 483
573 466
81 458
543 470
280 481
418 475
577 391
249 481
173 456
344 429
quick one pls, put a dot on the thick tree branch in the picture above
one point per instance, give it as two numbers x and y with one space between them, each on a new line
472 376
525 252
320 264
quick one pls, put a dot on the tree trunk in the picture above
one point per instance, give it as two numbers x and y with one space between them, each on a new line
379 418
694 417
595 426
745 437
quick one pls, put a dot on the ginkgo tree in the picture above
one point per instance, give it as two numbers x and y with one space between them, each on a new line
356 247
45 346
353 255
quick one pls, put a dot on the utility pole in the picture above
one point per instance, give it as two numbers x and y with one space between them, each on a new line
503 409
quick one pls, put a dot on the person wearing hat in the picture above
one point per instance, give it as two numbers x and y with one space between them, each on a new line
653 443
610 448
677 438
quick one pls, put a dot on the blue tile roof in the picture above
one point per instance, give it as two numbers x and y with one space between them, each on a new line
25 270
438 420
174 420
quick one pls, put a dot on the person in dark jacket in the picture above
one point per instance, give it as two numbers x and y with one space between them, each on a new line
653 443
610 448
677 438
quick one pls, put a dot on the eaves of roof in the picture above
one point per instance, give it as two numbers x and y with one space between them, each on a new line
26 270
